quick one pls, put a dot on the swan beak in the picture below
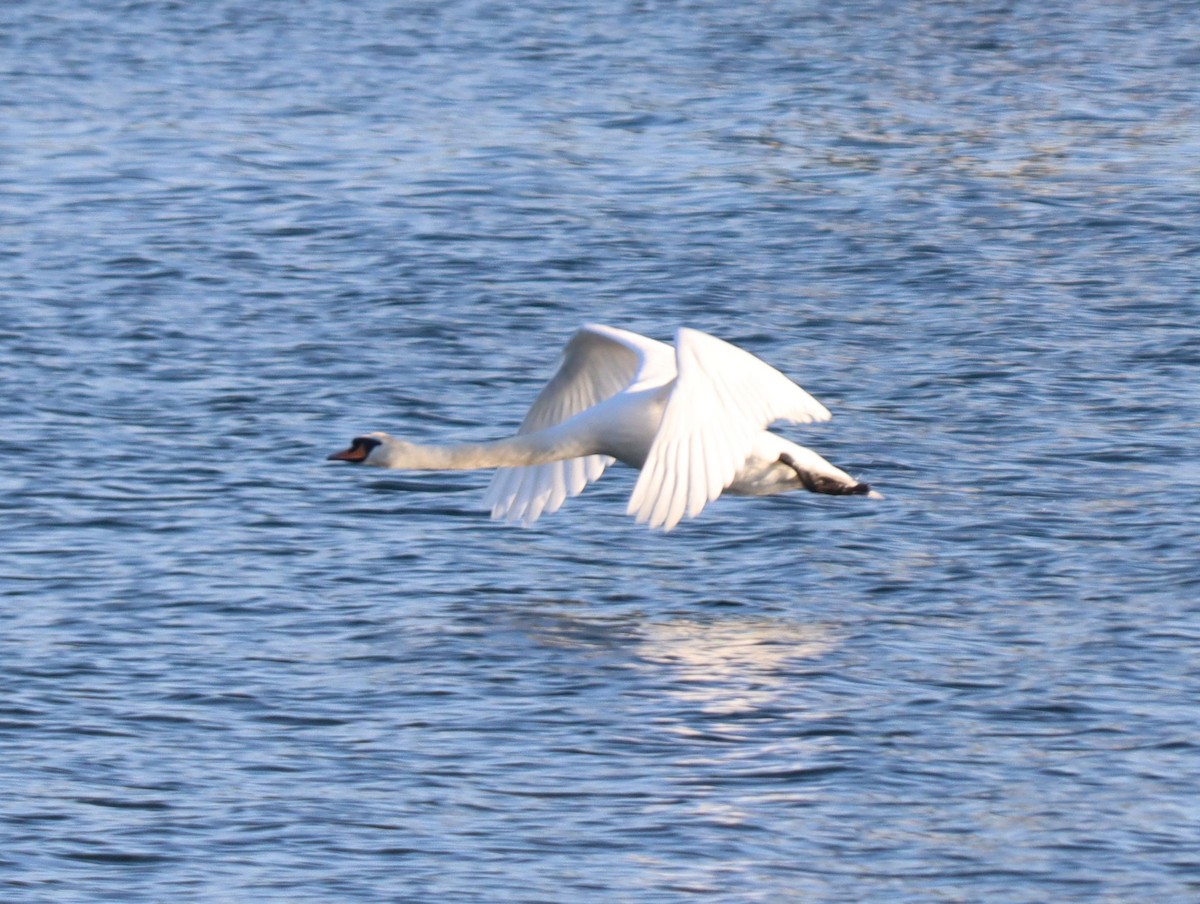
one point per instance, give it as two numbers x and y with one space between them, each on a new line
356 453
360 448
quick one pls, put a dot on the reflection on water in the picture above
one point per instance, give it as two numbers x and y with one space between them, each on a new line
709 651
731 667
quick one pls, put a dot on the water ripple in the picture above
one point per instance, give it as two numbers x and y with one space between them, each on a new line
241 235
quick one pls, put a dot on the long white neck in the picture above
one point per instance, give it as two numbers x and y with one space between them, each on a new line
536 448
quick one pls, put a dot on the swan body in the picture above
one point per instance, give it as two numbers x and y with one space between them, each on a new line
692 418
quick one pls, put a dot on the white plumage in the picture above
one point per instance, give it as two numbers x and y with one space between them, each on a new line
692 418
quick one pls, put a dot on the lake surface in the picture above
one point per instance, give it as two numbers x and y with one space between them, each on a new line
234 235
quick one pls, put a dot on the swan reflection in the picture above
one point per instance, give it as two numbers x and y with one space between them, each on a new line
722 666
732 666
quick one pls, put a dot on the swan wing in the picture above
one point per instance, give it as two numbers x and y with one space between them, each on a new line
722 400
597 363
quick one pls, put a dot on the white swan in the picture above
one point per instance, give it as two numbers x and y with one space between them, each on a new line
692 418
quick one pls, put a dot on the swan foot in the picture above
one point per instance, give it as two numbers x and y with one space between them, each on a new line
820 483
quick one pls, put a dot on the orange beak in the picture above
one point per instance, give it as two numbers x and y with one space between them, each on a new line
360 448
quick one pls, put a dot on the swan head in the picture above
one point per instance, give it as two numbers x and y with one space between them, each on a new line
377 449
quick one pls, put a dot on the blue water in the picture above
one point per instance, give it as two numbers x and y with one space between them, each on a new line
233 235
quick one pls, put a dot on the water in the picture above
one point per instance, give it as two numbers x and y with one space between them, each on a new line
234 235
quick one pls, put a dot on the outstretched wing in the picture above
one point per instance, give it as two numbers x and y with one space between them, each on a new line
598 363
723 398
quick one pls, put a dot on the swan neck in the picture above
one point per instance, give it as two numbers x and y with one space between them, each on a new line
515 452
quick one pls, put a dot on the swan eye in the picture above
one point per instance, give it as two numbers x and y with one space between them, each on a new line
364 443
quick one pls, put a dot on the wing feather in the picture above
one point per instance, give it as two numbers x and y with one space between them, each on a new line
723 398
597 363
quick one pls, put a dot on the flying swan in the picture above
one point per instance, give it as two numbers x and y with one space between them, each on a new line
691 418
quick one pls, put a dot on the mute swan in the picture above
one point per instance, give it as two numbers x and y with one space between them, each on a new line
691 418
